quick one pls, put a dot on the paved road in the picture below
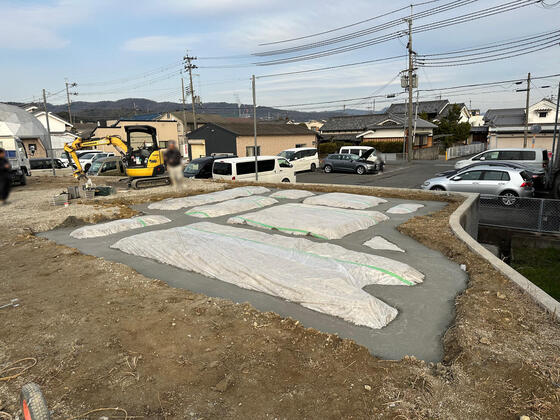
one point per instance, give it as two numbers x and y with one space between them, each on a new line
397 175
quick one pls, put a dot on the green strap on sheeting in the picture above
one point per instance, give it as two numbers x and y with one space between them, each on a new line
190 213
142 222
382 270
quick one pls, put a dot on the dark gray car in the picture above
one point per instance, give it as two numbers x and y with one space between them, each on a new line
342 162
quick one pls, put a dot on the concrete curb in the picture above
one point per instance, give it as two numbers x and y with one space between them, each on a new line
457 222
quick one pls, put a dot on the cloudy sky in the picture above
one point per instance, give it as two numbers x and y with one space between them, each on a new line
125 48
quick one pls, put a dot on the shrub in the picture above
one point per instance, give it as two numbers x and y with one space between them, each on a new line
385 146
331 147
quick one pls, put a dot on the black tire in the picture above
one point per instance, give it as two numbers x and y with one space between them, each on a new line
509 198
437 188
361 170
86 168
285 180
23 179
327 169
34 405
313 167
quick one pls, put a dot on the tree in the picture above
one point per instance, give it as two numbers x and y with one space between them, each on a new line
455 131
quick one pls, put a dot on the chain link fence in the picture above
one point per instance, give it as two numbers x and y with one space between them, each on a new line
534 214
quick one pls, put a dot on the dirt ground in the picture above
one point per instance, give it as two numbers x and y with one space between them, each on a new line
105 336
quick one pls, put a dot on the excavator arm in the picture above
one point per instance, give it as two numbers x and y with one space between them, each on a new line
79 144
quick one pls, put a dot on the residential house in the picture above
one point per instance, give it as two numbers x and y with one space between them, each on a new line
376 128
315 125
16 122
435 110
237 137
506 127
60 129
166 130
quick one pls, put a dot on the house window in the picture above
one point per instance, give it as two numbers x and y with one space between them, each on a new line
543 114
300 145
250 151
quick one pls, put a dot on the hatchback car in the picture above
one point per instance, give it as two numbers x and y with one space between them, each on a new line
507 183
339 162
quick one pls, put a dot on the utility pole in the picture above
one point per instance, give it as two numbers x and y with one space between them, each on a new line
527 111
255 128
68 93
184 111
555 141
410 86
189 66
48 131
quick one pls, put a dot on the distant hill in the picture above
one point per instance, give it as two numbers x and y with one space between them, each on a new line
122 108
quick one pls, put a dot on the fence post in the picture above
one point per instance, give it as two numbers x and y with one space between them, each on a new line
541 210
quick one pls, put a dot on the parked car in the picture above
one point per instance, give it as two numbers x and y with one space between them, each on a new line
532 158
302 158
271 169
537 175
45 163
108 166
507 183
87 159
201 168
79 154
350 163
355 150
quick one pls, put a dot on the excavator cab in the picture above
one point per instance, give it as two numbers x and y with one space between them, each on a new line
144 157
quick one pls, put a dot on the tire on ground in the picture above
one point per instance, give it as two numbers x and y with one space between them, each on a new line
33 403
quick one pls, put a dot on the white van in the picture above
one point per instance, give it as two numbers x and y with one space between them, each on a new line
532 158
17 155
356 150
302 158
271 169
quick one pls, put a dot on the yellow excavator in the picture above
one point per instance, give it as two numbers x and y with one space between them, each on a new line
144 161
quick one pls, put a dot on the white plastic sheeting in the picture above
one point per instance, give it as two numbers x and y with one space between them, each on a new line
380 243
405 208
320 276
292 194
231 206
104 229
215 197
345 201
318 221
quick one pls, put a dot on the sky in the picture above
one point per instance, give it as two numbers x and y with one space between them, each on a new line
125 48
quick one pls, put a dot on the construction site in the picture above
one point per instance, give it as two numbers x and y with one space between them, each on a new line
229 301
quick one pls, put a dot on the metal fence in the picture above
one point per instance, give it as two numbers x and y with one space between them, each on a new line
468 149
534 214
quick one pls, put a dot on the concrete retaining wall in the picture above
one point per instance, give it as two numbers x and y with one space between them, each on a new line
462 222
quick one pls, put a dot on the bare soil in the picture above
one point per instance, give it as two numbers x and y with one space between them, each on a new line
105 336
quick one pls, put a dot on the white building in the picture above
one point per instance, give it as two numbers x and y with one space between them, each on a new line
60 129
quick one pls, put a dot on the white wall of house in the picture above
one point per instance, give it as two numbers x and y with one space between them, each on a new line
57 125
543 112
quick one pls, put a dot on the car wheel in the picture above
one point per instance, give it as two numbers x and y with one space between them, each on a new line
313 167
360 170
23 179
437 188
327 169
33 403
509 198
285 180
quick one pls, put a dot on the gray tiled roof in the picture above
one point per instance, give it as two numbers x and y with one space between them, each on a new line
245 128
505 117
429 107
361 123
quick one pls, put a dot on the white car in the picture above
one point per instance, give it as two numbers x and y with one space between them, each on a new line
87 159
535 159
271 169
302 158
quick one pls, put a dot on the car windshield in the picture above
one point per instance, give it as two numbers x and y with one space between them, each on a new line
97 156
287 154
354 157
192 168
87 156
95 166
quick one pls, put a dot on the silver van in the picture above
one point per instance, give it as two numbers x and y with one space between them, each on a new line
531 158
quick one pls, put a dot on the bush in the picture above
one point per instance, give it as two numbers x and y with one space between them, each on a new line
385 146
331 147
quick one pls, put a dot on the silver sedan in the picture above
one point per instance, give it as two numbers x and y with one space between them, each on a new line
508 183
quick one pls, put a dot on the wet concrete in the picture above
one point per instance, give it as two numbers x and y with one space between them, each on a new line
425 310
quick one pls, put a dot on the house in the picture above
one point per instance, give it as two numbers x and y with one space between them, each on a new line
166 130
435 110
506 127
314 125
60 129
16 122
376 128
237 137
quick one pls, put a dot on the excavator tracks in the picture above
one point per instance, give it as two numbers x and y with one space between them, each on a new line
155 181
